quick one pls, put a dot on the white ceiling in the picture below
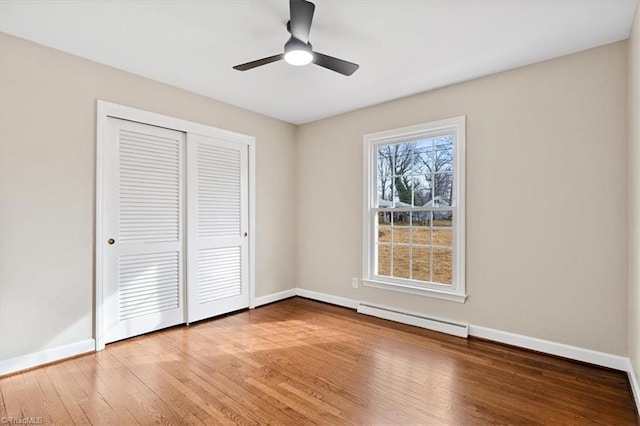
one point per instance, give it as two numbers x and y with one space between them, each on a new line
403 47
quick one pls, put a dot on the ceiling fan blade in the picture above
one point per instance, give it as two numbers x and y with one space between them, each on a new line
259 62
334 64
301 17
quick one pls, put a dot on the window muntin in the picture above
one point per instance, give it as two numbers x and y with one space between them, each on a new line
415 222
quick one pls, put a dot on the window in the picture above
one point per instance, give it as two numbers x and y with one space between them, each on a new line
414 214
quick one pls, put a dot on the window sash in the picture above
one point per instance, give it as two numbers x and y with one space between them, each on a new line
427 284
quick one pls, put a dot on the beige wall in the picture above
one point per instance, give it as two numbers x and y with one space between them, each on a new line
546 199
546 195
47 183
634 195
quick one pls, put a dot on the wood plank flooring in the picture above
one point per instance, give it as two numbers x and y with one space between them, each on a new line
299 362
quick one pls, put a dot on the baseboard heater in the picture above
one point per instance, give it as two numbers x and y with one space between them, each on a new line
449 327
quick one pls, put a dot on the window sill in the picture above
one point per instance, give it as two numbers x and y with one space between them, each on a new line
421 291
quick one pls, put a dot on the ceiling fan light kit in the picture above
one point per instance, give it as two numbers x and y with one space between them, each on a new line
297 50
297 53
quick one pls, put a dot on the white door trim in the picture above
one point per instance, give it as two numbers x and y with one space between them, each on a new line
108 109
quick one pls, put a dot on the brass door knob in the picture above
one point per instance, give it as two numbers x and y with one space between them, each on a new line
111 241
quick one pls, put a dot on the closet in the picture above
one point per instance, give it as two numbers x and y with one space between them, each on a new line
172 223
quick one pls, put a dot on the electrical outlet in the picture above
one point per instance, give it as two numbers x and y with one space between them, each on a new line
354 282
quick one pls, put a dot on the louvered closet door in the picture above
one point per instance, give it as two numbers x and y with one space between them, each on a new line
217 182
144 218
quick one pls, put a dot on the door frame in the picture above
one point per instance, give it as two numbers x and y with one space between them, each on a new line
106 110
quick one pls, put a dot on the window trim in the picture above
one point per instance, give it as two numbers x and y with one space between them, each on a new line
457 291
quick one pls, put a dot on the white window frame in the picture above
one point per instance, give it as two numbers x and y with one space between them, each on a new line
457 290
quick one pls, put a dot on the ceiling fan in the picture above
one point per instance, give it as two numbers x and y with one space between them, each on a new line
298 50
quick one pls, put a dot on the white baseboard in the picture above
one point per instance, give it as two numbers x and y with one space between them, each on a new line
435 324
46 356
328 298
274 297
603 359
635 384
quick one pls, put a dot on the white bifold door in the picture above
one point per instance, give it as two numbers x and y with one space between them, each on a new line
175 217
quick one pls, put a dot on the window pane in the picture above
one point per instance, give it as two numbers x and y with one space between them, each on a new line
443 154
402 158
425 155
401 261
442 266
421 235
422 156
421 218
442 218
443 188
422 191
401 218
384 176
384 161
401 234
443 237
428 194
421 263
401 227
384 227
385 194
421 228
384 259
403 191
402 154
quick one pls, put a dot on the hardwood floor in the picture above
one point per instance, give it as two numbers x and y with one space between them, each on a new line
303 362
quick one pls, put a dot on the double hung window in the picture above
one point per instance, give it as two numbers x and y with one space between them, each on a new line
414 209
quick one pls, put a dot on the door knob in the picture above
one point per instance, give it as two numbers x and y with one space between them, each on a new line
245 234
111 241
